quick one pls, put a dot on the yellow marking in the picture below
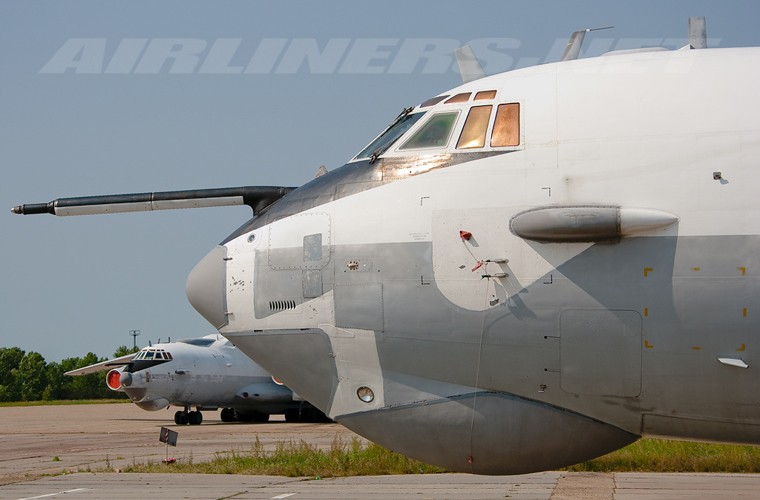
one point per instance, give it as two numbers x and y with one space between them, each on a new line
695 348
742 348
696 268
646 311
744 312
648 345
743 270
647 270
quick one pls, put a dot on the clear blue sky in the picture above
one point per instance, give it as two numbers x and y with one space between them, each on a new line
131 123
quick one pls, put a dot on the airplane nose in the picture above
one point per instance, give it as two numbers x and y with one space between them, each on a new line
205 287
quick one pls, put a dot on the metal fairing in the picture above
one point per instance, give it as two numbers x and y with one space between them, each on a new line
507 313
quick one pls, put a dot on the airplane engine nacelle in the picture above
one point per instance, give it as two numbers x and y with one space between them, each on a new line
114 380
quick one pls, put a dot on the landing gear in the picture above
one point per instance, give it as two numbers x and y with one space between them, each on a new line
188 417
260 418
314 416
228 415
292 415
253 416
195 418
305 415
180 418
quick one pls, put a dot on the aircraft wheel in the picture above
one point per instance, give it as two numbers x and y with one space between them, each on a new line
254 416
260 418
243 417
195 418
180 418
292 416
228 415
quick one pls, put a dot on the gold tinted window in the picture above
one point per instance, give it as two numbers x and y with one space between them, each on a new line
506 127
474 131
463 97
484 95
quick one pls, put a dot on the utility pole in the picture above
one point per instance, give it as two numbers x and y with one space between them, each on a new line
134 334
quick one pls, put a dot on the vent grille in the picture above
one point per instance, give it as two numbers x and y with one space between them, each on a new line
281 305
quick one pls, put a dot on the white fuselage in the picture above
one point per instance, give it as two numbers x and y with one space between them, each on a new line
368 281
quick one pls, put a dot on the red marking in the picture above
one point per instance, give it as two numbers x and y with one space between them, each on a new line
113 380
469 460
477 266
465 235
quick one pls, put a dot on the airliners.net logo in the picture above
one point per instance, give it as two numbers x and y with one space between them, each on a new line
344 56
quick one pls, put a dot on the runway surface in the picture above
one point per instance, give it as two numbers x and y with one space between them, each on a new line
72 452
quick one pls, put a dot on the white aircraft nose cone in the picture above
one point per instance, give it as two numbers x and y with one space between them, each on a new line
205 287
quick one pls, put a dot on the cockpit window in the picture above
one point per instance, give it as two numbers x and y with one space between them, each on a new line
433 100
475 128
390 135
434 134
506 127
485 95
463 97
149 353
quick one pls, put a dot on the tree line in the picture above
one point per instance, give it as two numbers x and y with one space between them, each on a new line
26 376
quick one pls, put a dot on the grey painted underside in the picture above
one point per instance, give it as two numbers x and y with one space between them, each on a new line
490 433
600 336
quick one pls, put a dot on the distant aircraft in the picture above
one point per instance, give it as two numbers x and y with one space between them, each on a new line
206 373
521 273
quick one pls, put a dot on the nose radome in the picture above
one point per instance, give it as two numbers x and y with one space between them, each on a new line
205 287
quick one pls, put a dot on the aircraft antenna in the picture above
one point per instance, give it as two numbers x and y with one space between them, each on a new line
697 33
573 48
134 334
469 66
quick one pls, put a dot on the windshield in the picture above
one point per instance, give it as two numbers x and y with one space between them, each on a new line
377 147
434 134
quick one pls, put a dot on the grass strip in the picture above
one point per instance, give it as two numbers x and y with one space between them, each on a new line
300 459
666 455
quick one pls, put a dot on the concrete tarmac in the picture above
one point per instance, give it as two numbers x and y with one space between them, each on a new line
75 452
